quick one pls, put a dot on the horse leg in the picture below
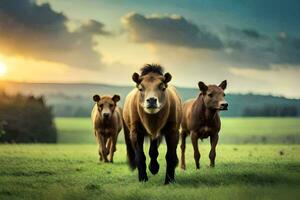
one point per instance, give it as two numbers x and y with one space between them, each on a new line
99 146
172 138
100 154
153 153
108 143
194 138
212 154
140 157
129 140
103 149
112 147
183 136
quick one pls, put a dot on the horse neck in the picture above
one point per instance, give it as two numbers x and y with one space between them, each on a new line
206 115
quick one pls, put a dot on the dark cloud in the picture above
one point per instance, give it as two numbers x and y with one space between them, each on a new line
243 33
251 33
287 50
250 47
94 27
243 47
172 30
37 31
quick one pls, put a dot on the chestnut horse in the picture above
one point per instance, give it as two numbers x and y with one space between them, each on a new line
107 122
201 119
153 108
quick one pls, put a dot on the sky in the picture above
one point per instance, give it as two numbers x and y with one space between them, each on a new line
253 44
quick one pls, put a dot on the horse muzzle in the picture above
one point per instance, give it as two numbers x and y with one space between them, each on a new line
224 106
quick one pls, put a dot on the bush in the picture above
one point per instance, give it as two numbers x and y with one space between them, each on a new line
26 119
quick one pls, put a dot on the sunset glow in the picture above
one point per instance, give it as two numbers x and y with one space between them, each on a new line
3 69
106 42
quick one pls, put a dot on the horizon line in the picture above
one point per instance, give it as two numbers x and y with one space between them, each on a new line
118 85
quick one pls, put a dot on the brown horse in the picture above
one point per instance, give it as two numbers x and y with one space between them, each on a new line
153 108
107 122
201 119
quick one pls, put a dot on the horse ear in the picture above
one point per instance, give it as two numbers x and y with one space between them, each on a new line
168 77
116 98
136 78
96 98
223 85
203 88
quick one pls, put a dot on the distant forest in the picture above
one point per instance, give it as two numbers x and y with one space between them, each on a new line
26 119
75 100
271 111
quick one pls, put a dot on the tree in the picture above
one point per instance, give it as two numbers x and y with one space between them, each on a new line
26 119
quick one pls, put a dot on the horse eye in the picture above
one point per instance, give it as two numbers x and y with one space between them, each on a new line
162 87
224 95
140 88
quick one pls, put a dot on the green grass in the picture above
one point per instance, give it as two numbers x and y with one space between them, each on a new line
73 172
243 171
234 130
75 130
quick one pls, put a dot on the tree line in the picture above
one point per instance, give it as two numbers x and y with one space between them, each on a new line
26 119
272 111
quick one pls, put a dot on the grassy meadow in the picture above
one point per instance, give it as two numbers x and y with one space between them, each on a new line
73 172
234 130
247 166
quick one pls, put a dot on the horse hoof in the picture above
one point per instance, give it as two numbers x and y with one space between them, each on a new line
168 181
143 179
183 167
154 167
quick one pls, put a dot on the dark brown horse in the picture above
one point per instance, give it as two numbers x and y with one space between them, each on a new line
201 119
107 122
153 108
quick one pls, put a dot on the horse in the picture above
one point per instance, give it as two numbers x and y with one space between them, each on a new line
153 108
107 123
201 119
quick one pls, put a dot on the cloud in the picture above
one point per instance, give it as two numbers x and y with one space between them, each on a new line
243 33
171 30
39 32
244 47
287 50
249 47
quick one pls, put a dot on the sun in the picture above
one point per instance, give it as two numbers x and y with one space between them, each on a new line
3 69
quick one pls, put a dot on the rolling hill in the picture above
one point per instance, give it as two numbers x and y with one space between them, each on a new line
75 99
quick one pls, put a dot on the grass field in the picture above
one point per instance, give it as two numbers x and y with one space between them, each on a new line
234 130
73 172
244 170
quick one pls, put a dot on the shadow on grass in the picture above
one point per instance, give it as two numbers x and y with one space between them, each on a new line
118 163
290 166
28 174
243 173
234 178
5 192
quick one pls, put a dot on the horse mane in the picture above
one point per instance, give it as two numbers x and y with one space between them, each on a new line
154 68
